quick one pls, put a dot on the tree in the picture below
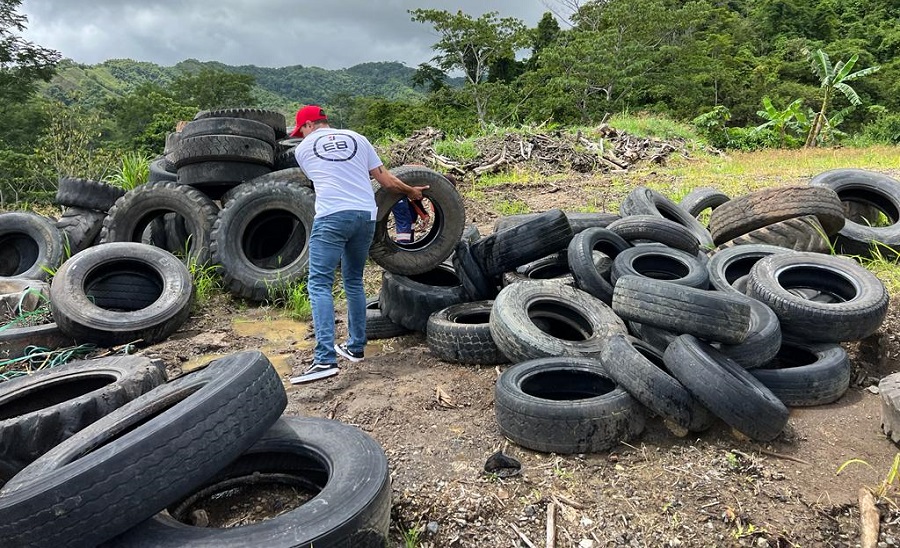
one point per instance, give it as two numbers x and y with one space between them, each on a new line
833 78
210 89
22 63
791 117
544 35
429 77
472 46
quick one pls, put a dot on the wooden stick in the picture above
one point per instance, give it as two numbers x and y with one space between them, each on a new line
557 497
551 525
868 519
785 457
522 536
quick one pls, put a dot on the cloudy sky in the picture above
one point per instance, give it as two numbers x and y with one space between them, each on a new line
330 34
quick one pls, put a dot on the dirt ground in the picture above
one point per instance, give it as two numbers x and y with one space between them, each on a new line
436 423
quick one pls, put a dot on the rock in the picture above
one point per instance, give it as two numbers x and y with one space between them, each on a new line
432 527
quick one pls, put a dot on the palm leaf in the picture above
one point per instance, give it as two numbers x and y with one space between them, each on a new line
841 70
860 73
849 93
821 64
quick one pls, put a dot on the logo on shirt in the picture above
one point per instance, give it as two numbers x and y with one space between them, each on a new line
335 147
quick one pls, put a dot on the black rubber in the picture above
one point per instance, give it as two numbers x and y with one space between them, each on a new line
30 245
134 211
725 388
700 199
651 228
269 117
552 267
342 466
162 170
577 220
79 228
261 238
461 333
565 405
217 178
503 251
379 326
580 254
410 300
540 318
639 368
222 148
434 247
798 233
645 201
241 127
728 265
286 159
87 194
763 338
660 263
121 292
39 411
803 375
471 275
856 305
764 207
144 456
710 315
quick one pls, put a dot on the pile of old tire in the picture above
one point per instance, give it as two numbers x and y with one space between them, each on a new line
105 452
85 204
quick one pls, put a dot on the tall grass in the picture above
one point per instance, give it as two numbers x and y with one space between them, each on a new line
134 170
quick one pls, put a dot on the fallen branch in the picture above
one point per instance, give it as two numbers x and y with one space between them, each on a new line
551 525
522 536
868 519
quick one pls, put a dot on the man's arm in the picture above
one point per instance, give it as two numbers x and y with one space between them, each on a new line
390 181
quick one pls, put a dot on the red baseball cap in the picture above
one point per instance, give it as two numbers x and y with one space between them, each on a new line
309 113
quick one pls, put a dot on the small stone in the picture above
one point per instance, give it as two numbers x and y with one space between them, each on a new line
762 543
432 527
586 543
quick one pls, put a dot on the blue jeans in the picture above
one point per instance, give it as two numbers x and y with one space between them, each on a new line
345 237
404 216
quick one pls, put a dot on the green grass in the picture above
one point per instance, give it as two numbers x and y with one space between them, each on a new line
207 280
653 126
511 207
462 150
293 297
134 171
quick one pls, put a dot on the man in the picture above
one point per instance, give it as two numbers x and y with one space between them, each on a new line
339 162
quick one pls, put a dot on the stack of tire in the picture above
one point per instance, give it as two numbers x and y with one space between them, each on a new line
108 452
651 311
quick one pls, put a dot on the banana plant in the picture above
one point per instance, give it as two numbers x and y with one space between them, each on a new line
791 117
833 78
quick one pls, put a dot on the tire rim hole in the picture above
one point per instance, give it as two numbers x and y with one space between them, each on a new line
791 356
740 267
660 267
51 394
560 321
274 240
472 318
558 385
123 286
18 255
424 232
438 277
817 284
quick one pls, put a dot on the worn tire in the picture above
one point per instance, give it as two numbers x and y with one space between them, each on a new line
87 194
538 319
30 245
143 456
577 220
121 292
651 228
803 375
410 300
565 405
461 333
725 388
580 255
661 263
700 199
644 201
379 326
223 148
79 228
427 252
471 275
39 411
269 117
798 233
503 251
728 265
241 127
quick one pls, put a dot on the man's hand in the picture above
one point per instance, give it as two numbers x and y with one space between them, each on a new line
415 193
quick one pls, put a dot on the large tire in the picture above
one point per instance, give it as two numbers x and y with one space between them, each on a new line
857 303
651 228
87 194
217 178
580 254
639 368
725 388
379 326
770 205
661 263
644 201
134 211
39 411
565 405
269 117
30 245
79 228
162 170
503 251
261 238
577 220
803 375
345 468
223 148
410 300
461 333
241 127
471 274
538 319
143 456
700 199
427 252
119 293
710 315
798 233
728 265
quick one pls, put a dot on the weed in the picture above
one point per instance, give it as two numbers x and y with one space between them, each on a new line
411 536
457 149
883 491
514 207
884 262
133 171
293 297
207 280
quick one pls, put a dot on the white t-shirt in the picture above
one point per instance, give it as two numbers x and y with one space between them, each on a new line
338 161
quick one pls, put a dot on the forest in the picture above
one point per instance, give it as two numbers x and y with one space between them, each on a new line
744 75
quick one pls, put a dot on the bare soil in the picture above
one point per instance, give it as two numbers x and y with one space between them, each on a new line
436 423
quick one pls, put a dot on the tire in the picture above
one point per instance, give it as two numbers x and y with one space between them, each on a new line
872 191
503 251
461 333
134 211
79 228
725 388
162 170
345 468
710 315
553 267
639 368
434 247
223 148
286 159
30 245
216 178
643 228
578 221
293 175
799 233
379 326
660 263
764 207
268 117
644 201
240 127
858 304
261 238
763 338
580 254
410 300
120 293
565 405
804 375
700 199
87 194
728 265
889 389
539 319
39 411
143 456
471 275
